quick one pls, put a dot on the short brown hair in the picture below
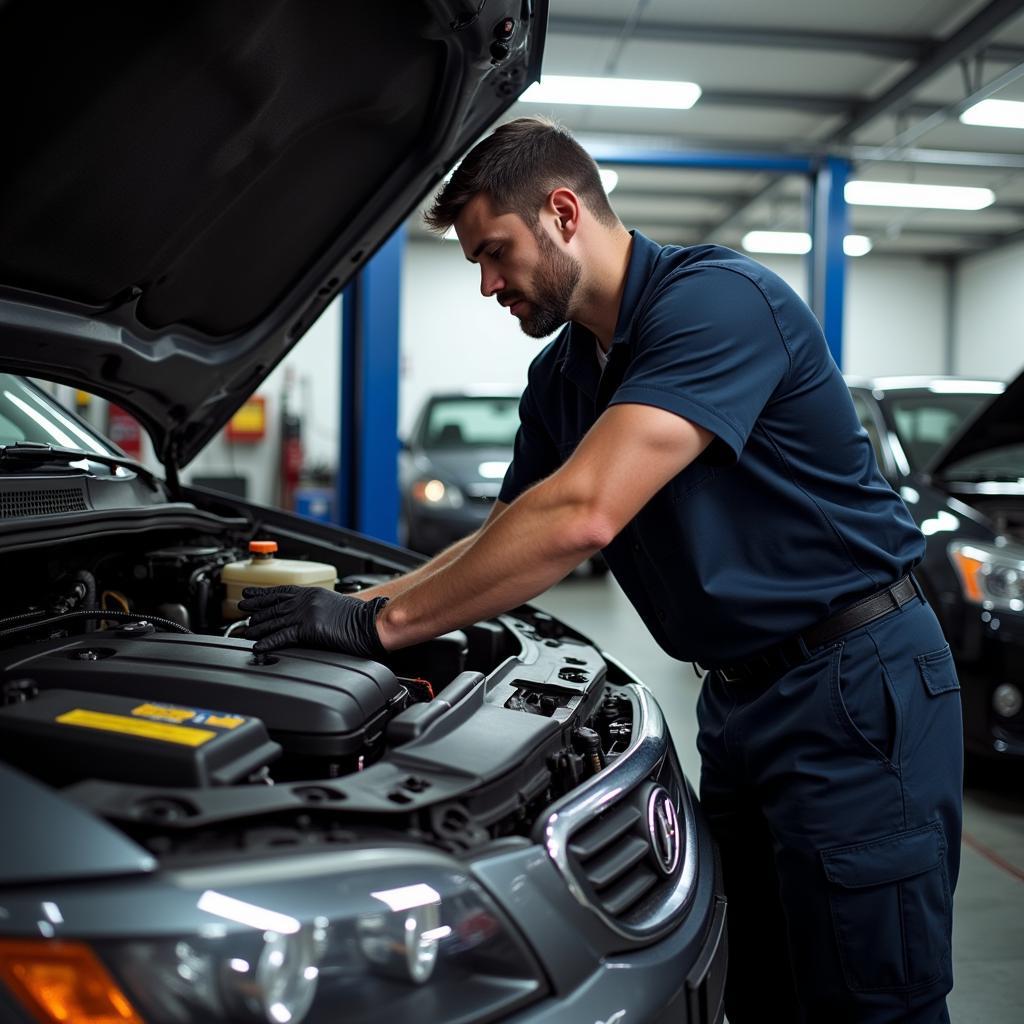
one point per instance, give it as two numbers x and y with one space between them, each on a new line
517 167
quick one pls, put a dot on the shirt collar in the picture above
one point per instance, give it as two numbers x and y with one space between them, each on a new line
579 364
643 254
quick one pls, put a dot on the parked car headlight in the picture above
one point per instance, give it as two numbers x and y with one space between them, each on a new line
363 942
990 575
436 493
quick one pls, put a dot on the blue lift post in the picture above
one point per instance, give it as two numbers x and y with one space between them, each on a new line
829 225
367 485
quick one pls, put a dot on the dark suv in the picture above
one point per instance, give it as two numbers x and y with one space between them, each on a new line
489 826
954 449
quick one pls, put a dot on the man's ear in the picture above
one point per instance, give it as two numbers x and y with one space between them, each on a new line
564 207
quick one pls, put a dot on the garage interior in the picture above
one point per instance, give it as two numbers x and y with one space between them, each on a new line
796 104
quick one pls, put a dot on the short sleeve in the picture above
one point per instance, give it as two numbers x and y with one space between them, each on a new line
708 348
534 455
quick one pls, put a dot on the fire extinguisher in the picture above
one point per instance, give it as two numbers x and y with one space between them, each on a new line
291 443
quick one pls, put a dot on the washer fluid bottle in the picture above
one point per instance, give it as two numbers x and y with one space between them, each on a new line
263 569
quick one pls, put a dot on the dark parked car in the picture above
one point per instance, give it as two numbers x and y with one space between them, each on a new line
954 449
452 466
489 826
453 463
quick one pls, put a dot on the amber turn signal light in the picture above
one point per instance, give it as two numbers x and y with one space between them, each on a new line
63 983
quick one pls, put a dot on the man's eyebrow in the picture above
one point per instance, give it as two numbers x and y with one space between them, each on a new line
479 249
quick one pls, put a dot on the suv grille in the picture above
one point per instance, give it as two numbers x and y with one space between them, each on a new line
18 504
611 853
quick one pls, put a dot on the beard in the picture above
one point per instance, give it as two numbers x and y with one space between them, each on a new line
554 286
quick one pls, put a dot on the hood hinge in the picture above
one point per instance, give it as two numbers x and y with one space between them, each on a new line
169 459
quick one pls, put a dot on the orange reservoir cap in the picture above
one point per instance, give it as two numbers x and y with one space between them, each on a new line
263 547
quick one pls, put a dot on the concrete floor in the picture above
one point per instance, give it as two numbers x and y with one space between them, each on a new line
988 937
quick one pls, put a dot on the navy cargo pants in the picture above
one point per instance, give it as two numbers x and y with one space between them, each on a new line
834 793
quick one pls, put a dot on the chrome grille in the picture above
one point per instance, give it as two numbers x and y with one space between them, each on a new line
602 835
611 855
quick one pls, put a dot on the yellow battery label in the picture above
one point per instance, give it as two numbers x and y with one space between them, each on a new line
159 711
224 721
162 731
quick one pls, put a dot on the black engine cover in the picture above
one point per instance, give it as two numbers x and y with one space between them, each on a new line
314 703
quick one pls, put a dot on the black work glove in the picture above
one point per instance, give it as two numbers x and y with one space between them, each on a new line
312 617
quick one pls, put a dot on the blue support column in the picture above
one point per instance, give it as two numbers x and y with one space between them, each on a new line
368 431
829 226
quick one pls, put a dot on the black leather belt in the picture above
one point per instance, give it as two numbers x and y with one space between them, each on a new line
773 662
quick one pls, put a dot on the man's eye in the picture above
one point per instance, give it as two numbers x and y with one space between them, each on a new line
495 254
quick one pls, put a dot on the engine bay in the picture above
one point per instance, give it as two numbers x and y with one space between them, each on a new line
126 689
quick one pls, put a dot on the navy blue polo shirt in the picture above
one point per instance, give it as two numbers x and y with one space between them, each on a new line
785 518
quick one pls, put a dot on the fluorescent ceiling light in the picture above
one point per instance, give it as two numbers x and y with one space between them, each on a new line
797 243
613 92
856 245
995 114
609 179
792 242
905 193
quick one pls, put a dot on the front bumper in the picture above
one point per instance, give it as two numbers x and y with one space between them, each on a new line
680 979
989 653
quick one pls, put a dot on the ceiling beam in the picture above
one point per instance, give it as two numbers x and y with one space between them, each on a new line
967 40
891 47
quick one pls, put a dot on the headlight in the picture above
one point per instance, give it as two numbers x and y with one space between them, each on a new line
437 494
378 935
990 575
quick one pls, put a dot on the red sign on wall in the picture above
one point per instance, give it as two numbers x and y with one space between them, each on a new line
124 430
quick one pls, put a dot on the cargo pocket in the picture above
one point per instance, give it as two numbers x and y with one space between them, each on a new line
890 909
938 671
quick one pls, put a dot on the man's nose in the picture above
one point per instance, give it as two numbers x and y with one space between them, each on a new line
490 283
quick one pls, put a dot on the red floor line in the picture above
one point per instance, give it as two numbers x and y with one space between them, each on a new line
993 857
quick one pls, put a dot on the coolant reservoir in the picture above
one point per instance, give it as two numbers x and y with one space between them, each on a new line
263 569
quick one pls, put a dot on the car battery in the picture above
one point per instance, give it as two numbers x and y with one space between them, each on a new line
62 736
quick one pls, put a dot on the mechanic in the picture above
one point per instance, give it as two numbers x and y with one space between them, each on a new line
689 421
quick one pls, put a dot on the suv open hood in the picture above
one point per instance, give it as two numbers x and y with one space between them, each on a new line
185 186
999 423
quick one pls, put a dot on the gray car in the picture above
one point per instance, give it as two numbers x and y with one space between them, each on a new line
489 826
452 466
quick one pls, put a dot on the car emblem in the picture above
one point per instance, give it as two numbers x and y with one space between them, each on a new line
663 826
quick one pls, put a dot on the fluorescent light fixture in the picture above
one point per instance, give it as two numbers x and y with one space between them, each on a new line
609 179
907 193
794 243
797 243
493 470
613 92
856 245
995 114
247 913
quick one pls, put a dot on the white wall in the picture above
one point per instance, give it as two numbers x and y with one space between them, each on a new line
452 337
989 338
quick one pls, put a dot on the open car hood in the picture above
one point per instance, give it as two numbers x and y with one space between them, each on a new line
997 424
185 186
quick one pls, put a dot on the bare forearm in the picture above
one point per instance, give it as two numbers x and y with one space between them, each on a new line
402 583
537 542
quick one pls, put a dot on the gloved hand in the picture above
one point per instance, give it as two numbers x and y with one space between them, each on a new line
312 617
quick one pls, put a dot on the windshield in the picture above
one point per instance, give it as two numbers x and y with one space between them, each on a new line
28 414
925 421
471 422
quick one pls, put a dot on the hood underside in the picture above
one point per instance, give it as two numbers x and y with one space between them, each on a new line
187 185
998 424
